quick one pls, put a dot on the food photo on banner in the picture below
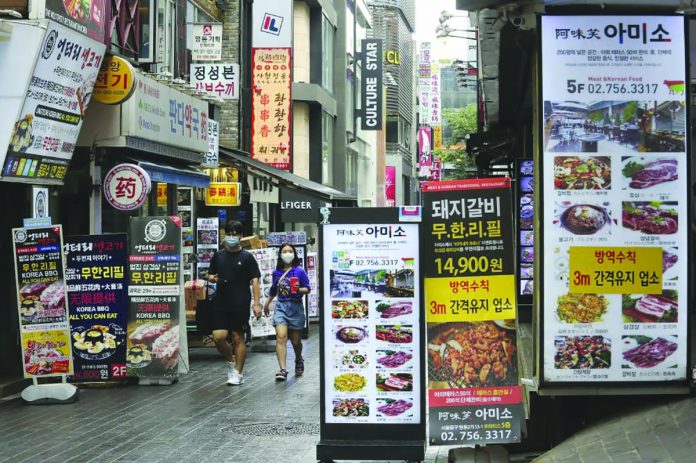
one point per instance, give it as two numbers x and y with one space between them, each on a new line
470 303
372 332
154 297
96 277
615 179
42 303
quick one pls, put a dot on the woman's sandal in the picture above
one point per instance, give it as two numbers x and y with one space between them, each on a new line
282 375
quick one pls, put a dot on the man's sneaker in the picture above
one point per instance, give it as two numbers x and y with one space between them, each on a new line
235 378
299 366
282 375
230 372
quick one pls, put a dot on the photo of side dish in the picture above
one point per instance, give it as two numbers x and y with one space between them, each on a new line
582 173
581 308
349 309
582 352
351 407
349 382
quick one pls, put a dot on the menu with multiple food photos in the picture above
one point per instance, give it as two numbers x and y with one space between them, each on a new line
371 323
267 258
615 189
525 222
42 302
98 299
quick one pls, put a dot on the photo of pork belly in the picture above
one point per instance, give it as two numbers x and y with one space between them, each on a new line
651 308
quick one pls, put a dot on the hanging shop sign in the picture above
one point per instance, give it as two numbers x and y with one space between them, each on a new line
42 303
425 154
470 303
98 301
372 331
371 85
162 114
525 219
217 79
88 18
298 207
126 187
390 186
207 243
44 136
206 42
437 137
434 94
615 178
271 80
211 158
435 170
115 81
424 84
271 24
223 194
154 263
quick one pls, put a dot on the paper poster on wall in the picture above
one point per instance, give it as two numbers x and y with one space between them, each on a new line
616 199
207 244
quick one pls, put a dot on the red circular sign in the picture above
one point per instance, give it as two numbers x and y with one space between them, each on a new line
126 187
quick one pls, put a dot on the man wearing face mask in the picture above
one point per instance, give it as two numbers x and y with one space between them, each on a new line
233 269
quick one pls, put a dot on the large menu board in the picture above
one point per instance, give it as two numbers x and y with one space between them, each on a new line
42 303
615 188
371 339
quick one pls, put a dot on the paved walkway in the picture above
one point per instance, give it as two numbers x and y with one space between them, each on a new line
197 420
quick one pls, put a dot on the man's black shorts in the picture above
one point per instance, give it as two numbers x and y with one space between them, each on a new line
229 320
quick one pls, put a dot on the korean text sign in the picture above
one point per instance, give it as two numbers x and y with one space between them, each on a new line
615 180
470 304
42 303
271 106
60 89
96 275
154 264
220 79
207 42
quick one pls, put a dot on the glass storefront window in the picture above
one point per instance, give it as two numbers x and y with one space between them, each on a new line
166 26
327 46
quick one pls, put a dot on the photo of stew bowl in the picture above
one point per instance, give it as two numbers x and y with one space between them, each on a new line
351 334
584 219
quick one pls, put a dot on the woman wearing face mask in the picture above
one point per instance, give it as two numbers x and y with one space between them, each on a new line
290 284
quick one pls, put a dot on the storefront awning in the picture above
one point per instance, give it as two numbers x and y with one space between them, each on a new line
177 175
285 179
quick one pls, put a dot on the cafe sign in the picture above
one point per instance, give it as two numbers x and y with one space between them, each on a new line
126 187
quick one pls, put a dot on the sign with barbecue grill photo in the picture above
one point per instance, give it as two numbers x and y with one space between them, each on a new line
42 302
614 219
154 265
470 302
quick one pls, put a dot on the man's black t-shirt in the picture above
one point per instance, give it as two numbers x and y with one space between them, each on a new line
235 270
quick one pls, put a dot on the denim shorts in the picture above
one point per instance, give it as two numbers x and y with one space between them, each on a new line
290 313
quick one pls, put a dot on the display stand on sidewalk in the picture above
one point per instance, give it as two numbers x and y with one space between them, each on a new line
55 393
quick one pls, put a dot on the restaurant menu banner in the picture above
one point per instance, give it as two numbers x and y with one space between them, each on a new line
371 323
184 208
98 304
154 264
42 302
44 135
207 244
311 266
470 305
616 188
271 106
267 258
525 220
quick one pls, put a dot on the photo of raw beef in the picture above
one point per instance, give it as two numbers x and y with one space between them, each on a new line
652 218
32 289
668 260
653 173
649 352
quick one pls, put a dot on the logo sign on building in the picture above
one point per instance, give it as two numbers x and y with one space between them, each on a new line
44 136
86 17
619 242
271 106
211 158
216 79
392 57
207 42
298 207
371 85
271 24
115 81
98 300
126 187
223 194
42 302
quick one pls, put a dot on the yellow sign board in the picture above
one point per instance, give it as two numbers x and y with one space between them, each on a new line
477 298
223 194
115 81
437 137
162 194
615 270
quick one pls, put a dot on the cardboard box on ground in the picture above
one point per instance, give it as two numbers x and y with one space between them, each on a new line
252 242
194 291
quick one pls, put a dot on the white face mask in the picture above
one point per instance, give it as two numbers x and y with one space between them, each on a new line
287 257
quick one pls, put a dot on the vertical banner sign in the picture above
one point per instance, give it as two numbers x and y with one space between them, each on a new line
154 263
525 219
371 85
44 136
98 301
181 65
219 79
271 106
211 158
615 177
435 106
207 42
469 284
390 186
207 244
436 170
424 76
425 154
42 302
312 273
